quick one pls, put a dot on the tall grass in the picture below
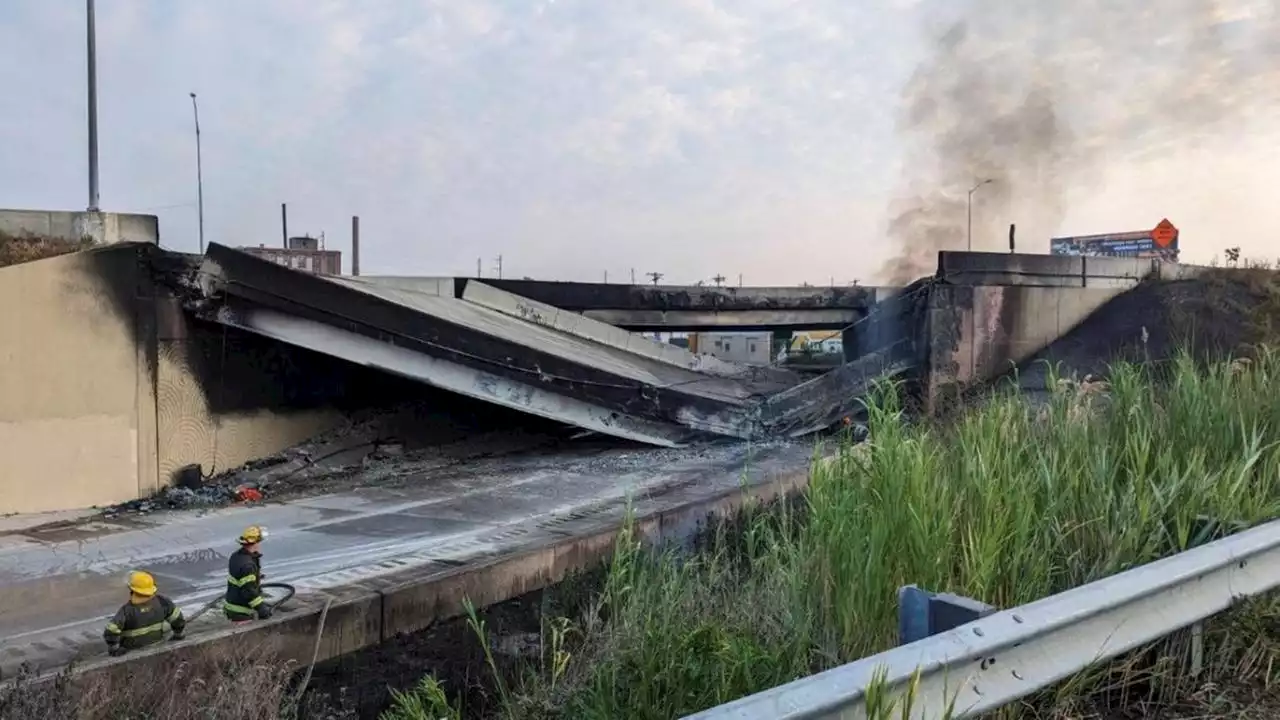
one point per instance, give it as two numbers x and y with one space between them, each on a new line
1013 502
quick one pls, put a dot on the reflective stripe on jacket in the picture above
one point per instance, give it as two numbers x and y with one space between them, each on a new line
138 625
244 594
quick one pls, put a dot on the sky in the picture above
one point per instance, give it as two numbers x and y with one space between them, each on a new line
786 141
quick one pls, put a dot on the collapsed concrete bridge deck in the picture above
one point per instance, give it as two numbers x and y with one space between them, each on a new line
478 340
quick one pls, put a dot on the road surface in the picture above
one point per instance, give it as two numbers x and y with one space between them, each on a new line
59 584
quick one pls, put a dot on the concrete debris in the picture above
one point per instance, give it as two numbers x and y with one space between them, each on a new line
493 346
175 498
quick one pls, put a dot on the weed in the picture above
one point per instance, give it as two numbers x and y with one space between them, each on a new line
18 249
251 685
1012 502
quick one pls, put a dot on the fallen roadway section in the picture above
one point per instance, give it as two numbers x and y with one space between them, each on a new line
384 560
486 343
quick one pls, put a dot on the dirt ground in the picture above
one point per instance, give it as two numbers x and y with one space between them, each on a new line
360 684
1224 312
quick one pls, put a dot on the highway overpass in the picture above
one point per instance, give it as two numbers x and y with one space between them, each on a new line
683 308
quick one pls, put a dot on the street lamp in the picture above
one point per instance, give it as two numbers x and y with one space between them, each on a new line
91 53
195 109
969 211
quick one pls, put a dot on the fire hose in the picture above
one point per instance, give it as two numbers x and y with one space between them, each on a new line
289 592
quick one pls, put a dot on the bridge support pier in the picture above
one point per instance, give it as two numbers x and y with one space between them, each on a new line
781 341
849 344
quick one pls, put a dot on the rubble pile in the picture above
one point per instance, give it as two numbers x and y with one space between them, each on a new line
378 447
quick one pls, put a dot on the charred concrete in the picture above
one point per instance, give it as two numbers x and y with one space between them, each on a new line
245 283
580 297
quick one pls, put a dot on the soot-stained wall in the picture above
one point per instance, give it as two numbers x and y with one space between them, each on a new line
77 413
107 388
578 296
979 333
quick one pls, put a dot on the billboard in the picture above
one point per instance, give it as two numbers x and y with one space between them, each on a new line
1160 242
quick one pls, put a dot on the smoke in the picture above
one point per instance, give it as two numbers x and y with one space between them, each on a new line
1043 102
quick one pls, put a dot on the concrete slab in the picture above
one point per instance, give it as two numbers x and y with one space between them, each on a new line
477 351
455 377
56 593
572 323
620 362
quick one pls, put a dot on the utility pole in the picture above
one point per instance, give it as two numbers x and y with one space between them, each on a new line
655 276
633 276
499 266
739 279
478 273
355 245
718 279
969 211
195 109
92 48
284 225
606 277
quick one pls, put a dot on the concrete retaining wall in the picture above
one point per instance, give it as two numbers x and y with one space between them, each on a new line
99 402
974 268
989 312
977 334
77 415
102 227
190 431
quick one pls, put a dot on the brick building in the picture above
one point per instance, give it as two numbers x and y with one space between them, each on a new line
303 253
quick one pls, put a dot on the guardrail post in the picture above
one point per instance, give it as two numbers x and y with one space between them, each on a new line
922 613
1205 529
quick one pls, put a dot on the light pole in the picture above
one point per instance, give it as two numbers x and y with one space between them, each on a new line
969 211
92 48
195 109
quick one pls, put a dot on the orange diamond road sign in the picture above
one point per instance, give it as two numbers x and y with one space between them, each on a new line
1164 234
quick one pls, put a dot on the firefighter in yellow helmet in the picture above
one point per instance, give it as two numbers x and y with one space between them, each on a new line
244 597
140 622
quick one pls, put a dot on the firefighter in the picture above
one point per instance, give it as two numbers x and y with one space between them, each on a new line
244 579
140 622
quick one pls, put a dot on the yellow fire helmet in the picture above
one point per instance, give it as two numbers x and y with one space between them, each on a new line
141 583
252 535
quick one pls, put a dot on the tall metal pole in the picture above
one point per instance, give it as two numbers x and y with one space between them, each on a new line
195 108
355 245
969 212
92 47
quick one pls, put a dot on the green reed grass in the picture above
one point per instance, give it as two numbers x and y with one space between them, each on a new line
1015 501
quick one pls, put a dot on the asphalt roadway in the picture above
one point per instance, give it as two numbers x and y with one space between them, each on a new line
60 583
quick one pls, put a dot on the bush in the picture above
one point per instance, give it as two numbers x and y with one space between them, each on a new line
251 685
18 249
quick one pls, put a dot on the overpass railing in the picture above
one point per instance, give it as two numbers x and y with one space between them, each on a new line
1005 655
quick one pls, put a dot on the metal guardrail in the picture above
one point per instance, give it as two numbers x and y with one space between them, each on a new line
1012 653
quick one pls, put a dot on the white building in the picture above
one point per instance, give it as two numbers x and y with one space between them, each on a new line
748 348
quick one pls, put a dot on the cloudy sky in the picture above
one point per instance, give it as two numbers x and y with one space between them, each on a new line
786 140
